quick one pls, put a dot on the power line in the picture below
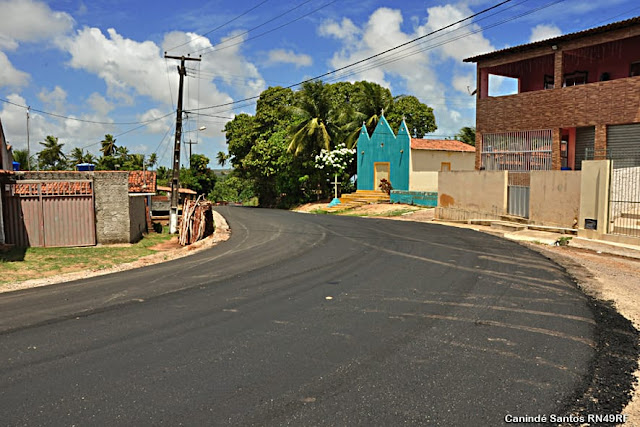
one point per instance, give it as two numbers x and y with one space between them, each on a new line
84 120
369 57
258 26
222 25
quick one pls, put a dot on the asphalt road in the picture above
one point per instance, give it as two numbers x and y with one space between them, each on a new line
303 320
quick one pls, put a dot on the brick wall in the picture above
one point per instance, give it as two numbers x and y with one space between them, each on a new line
112 207
611 102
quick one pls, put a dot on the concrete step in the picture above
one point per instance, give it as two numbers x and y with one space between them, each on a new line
632 215
516 219
508 226
627 231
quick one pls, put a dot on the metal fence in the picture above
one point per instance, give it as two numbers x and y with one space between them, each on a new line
517 151
624 195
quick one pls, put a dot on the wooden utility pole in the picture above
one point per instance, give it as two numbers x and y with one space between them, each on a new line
190 144
175 181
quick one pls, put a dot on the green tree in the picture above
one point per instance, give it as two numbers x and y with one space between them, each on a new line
467 134
152 161
51 156
78 155
108 146
370 101
318 126
240 134
198 177
22 157
418 116
222 158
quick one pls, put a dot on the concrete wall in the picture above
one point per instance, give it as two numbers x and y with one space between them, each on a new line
137 218
425 165
112 206
478 191
419 198
594 201
555 198
423 181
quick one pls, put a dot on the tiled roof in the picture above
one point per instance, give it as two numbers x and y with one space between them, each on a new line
181 190
142 182
555 40
63 188
441 145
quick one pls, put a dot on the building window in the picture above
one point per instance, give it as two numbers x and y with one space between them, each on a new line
517 151
548 81
445 166
576 78
635 69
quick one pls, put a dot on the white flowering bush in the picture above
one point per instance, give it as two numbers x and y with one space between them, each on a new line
336 161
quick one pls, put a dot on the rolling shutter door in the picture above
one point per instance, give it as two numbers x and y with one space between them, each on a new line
623 145
585 138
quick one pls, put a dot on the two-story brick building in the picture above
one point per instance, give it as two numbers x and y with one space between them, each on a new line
578 97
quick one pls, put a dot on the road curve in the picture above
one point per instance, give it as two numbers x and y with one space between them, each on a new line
303 320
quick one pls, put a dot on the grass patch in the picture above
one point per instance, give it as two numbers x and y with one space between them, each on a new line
19 264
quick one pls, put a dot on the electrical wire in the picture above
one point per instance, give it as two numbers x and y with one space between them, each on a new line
222 25
372 56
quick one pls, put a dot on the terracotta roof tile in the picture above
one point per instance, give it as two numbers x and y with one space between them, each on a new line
441 145
142 182
181 190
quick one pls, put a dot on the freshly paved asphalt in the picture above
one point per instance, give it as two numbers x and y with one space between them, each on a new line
427 325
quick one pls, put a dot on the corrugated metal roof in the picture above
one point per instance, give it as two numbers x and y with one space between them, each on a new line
555 40
441 145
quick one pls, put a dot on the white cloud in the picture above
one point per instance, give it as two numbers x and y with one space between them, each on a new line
345 30
29 20
289 57
55 99
543 32
100 104
9 75
417 72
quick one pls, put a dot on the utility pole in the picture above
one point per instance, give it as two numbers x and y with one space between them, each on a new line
28 148
175 181
190 144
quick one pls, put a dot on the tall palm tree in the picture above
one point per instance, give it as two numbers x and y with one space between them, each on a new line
108 145
51 156
370 102
77 155
319 124
153 159
222 158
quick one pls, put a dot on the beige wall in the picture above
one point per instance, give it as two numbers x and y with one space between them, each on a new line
594 201
423 181
425 165
554 198
478 191
430 160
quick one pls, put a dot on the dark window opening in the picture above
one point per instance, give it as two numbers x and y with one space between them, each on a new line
548 81
576 78
635 69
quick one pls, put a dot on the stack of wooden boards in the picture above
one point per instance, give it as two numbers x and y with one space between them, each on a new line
197 221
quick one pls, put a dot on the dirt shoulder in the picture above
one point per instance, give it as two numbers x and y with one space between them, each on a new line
166 251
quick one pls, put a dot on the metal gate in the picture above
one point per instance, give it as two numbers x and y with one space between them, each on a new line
518 194
49 213
623 148
519 153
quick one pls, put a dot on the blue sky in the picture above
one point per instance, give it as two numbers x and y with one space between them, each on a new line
103 61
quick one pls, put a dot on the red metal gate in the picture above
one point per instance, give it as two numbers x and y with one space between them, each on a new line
49 213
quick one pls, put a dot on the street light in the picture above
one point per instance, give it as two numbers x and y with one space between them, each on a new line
200 129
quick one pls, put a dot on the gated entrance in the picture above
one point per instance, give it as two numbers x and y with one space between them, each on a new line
519 153
49 213
623 148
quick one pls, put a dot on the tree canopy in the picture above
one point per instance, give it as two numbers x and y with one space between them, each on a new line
274 150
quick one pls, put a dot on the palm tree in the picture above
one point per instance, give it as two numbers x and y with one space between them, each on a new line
51 157
136 162
108 145
370 102
222 158
318 126
153 159
22 157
